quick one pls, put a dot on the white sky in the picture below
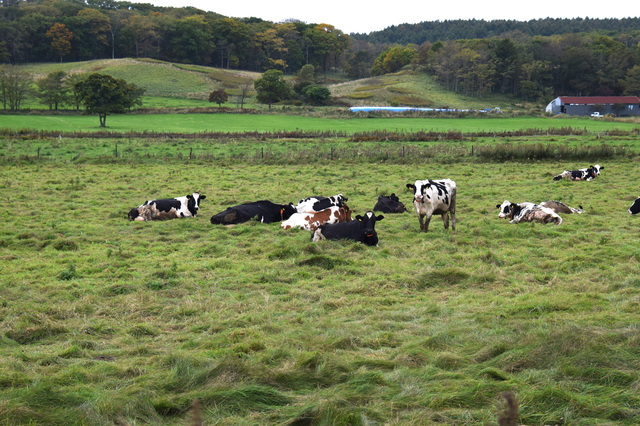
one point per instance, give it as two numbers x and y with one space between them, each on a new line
375 15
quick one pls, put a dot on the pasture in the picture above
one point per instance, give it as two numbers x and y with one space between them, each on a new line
105 321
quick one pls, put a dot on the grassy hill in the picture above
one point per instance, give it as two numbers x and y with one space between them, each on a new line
178 85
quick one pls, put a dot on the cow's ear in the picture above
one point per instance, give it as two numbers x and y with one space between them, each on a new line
411 186
189 197
202 197
379 218
498 206
358 217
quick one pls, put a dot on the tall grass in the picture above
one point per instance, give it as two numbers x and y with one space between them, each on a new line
106 321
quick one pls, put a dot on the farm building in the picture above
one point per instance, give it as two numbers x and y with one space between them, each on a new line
587 105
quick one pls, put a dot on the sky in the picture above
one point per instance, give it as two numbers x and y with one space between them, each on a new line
357 16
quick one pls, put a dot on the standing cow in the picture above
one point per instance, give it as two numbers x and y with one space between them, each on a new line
169 208
434 197
635 207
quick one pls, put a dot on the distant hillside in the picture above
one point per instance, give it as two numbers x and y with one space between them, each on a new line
473 29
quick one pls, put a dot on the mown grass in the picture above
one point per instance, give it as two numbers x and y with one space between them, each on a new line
106 321
347 122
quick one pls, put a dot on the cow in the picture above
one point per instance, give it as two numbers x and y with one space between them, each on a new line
169 208
434 197
311 221
316 204
589 173
264 211
556 206
635 207
530 212
362 230
389 204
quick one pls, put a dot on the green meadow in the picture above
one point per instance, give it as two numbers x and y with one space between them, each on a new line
106 321
351 123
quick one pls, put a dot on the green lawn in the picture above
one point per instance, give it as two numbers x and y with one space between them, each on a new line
193 123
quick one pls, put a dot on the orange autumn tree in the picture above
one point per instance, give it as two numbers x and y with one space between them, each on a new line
61 38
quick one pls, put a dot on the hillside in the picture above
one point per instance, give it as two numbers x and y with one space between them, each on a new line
178 85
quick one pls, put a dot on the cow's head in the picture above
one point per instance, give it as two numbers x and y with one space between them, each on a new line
596 169
505 209
419 189
369 222
635 207
339 200
286 210
193 202
347 212
133 214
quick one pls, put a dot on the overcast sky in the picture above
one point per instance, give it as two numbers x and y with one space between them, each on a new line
374 15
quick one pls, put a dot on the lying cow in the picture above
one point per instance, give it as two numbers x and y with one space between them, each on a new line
556 206
635 207
530 212
390 204
170 208
362 230
264 211
316 204
589 173
311 221
434 197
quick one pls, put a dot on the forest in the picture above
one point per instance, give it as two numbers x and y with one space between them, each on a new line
534 60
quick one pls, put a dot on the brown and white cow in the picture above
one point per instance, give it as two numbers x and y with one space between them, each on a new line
434 197
312 220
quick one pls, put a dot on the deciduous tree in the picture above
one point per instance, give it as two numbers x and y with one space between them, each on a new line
102 94
60 39
52 90
219 97
272 87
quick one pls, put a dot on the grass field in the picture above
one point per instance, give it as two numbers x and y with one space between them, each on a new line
103 321
194 123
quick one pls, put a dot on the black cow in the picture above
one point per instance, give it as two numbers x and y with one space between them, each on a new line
635 207
362 230
169 208
264 211
390 204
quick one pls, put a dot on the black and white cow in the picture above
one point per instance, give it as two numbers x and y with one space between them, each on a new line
316 204
169 208
530 212
389 204
635 207
556 206
434 197
362 230
589 173
264 211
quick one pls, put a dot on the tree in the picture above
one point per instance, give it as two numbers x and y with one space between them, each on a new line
631 81
271 87
60 39
305 77
218 96
52 90
316 94
14 85
102 94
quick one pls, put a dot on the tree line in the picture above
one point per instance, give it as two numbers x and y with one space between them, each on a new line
77 30
534 60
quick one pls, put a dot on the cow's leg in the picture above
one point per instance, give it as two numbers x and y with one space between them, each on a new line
445 220
427 219
452 212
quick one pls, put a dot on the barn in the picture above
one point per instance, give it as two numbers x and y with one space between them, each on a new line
620 106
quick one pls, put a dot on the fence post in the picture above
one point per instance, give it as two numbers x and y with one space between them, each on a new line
262 153
332 153
190 153
38 152
116 150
